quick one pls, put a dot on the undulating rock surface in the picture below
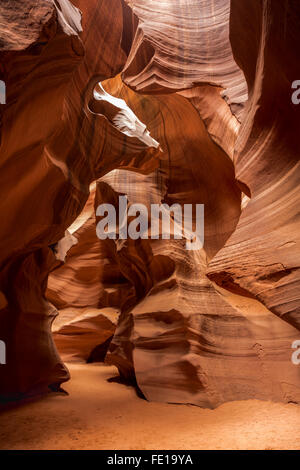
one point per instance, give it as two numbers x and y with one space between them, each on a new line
169 102
262 257
52 147
180 44
84 334
90 276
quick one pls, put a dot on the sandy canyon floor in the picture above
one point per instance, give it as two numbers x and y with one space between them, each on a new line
100 414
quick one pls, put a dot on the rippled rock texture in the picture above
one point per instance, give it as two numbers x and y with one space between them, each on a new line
262 257
173 102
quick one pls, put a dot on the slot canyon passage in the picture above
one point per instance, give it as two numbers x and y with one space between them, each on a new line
122 343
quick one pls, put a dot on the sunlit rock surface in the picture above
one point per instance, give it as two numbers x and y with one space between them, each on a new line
262 257
180 44
52 147
84 334
176 103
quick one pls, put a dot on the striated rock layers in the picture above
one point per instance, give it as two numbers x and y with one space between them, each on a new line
95 90
52 148
188 341
262 257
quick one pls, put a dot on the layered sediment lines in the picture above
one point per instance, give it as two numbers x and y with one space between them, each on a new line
52 148
187 341
90 276
181 44
84 334
116 98
262 258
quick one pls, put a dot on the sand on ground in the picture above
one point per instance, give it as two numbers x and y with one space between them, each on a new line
98 414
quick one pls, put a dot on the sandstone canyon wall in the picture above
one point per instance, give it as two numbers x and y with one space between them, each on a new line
173 103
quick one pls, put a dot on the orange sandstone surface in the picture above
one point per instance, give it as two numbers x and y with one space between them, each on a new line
186 102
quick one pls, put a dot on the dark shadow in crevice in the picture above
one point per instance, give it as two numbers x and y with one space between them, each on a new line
128 383
129 28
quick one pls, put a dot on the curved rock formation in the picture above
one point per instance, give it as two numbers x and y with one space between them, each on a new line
187 341
64 153
84 334
261 259
119 98
181 44
90 276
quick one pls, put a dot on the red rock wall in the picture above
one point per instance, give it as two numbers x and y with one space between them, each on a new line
262 256
195 326
49 157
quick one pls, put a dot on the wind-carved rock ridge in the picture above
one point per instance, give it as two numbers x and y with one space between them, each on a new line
66 148
180 337
261 257
182 44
